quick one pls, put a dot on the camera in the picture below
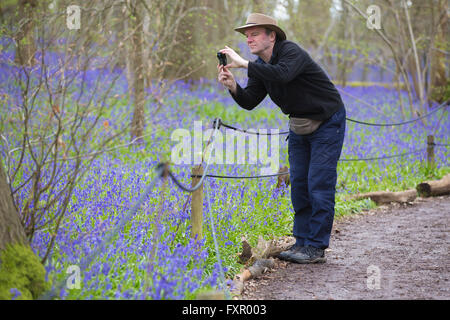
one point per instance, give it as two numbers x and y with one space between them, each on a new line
222 58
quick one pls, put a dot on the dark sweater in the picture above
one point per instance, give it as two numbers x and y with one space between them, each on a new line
297 84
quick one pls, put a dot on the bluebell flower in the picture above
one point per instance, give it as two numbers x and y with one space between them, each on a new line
15 293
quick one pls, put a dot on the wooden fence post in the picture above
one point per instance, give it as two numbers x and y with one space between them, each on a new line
430 150
197 205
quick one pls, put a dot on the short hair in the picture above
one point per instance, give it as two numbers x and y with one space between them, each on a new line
269 31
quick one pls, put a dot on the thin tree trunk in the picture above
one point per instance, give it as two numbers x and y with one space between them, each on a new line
397 86
418 76
138 122
128 67
26 47
342 58
147 69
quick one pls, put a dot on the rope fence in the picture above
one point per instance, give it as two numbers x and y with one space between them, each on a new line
162 171
440 107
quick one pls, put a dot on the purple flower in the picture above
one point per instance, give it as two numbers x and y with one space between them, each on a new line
15 292
105 269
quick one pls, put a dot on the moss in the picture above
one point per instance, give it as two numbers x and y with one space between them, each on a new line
21 270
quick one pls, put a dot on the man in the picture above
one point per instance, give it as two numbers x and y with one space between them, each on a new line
301 88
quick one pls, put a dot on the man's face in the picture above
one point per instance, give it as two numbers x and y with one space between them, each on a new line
257 39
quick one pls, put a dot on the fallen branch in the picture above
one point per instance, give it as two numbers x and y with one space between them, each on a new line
434 188
258 260
258 268
382 197
425 189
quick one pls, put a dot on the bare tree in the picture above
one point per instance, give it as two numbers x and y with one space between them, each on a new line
410 41
54 129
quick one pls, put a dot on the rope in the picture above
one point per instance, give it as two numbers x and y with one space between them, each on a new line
217 124
243 177
212 139
386 157
442 106
284 173
439 144
251 132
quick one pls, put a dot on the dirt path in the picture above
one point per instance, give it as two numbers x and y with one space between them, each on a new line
395 252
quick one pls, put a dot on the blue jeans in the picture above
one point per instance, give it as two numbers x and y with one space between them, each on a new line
313 160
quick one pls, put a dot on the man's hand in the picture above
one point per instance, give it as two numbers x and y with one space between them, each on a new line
226 78
236 60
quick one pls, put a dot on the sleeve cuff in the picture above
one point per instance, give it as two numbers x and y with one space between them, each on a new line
238 91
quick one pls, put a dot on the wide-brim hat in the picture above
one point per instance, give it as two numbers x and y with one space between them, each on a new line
261 20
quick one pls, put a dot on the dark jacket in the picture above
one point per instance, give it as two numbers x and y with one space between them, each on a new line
297 84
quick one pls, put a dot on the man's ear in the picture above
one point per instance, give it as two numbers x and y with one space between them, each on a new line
273 36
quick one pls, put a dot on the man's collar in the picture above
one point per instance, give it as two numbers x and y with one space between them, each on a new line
276 47
259 60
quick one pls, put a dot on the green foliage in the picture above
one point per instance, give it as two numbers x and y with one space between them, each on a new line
20 269
441 93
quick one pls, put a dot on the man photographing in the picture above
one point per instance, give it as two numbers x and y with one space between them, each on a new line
302 90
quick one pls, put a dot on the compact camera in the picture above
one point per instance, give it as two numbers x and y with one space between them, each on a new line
222 58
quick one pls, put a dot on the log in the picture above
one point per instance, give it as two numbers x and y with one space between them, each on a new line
260 266
257 260
264 249
434 188
383 197
257 269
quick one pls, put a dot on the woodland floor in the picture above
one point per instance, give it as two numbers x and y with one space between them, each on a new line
405 247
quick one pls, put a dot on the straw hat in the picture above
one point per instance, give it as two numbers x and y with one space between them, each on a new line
259 19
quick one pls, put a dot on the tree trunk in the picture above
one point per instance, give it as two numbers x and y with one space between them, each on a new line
11 229
26 47
342 57
22 276
438 58
417 75
138 122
